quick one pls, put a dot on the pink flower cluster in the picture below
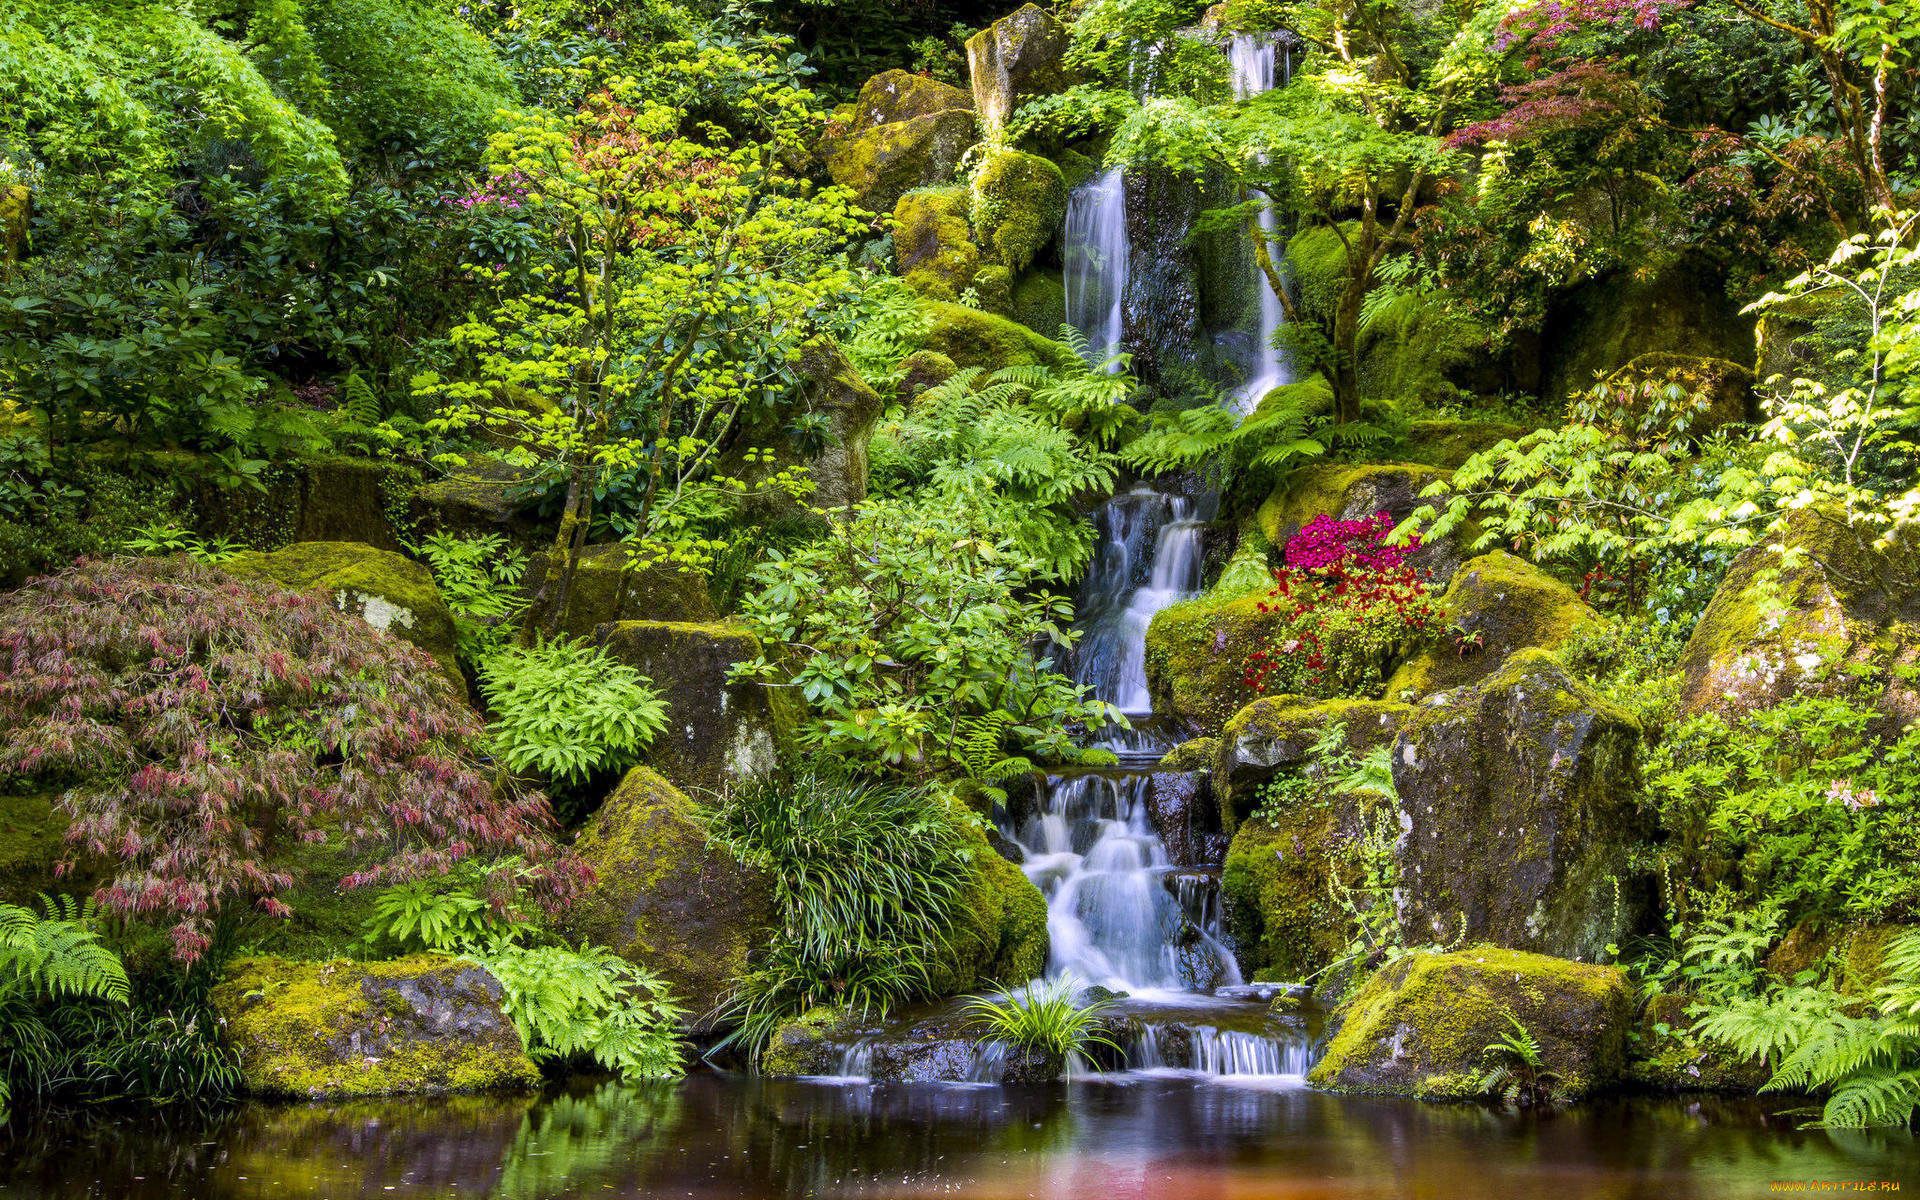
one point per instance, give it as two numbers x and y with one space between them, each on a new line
1842 791
1326 542
504 191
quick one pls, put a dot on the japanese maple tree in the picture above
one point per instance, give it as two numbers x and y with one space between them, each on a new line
202 726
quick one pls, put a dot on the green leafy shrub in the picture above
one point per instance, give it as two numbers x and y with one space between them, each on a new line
1042 1017
902 624
591 1004
479 578
866 879
565 709
55 954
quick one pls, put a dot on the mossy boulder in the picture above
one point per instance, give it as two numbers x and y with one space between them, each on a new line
809 1044
1519 798
391 593
1018 57
1040 300
1807 622
614 583
1000 936
1664 1056
971 338
1196 655
933 242
16 215
1724 385
886 162
1352 492
1601 326
1019 201
1508 605
1450 443
901 96
482 496
993 290
924 369
33 836
666 899
1276 733
425 1025
1421 1025
719 731
833 390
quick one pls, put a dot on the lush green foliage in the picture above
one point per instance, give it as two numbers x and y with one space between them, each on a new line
1042 1017
51 954
479 578
909 619
866 877
201 727
1519 1075
589 1003
565 709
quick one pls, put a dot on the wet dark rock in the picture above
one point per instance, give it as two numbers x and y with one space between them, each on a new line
1013 60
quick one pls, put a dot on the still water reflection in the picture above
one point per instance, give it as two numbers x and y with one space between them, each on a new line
745 1139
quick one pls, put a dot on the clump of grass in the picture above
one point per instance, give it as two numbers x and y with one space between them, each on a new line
1041 1017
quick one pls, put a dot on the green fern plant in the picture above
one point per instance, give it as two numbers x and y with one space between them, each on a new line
479 577
981 753
589 1003
565 709
1519 1075
54 954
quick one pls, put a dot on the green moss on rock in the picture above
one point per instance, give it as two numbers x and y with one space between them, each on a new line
1448 444
1040 300
925 369
1510 605
609 586
1277 733
1840 611
933 242
901 96
1018 57
1000 936
1664 1056
424 1025
1520 801
32 838
16 214
1421 1025
1019 201
971 338
1196 654
808 1044
391 593
883 163
663 898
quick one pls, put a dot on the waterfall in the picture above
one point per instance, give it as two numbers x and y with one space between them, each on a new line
1259 66
1097 261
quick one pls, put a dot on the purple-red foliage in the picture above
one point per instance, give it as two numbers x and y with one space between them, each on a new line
203 726
1538 28
1584 95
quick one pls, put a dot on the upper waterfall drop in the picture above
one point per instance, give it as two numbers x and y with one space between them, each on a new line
1097 254
1261 64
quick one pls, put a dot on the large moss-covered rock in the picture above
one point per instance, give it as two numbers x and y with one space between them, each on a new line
667 900
614 583
1504 605
1640 388
833 390
1421 1025
393 594
1276 733
719 731
1519 800
810 1044
481 496
1013 60
1804 623
1449 443
1000 936
1040 300
1196 655
933 242
901 96
885 162
424 1025
1279 869
971 338
1684 308
1019 201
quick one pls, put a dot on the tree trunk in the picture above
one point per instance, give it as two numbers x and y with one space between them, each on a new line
1344 372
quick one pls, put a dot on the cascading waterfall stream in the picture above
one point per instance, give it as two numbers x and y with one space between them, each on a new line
1260 65
1097 262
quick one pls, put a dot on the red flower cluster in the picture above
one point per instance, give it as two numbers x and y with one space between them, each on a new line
1348 605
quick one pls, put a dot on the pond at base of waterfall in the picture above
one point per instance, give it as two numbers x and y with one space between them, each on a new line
719 1137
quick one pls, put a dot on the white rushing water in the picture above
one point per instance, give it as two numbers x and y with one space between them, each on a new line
1152 553
1260 65
1097 254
